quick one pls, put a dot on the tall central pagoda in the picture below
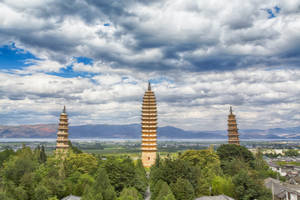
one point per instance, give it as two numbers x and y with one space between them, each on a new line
149 126
62 142
233 135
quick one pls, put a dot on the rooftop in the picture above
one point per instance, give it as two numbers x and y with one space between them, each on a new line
220 197
71 197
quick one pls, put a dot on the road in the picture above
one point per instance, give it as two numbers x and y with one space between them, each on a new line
148 194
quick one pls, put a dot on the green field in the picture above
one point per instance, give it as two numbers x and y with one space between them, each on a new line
282 163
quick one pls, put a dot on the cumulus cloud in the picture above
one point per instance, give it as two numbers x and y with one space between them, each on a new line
201 57
197 101
162 35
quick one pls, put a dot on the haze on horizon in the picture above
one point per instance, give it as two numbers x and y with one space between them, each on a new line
96 58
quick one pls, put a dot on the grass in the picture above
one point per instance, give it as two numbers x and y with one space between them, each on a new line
282 163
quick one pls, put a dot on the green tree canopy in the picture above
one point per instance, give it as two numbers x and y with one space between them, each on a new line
156 188
130 194
207 165
165 192
232 151
172 169
101 189
4 155
222 185
292 152
15 168
183 189
247 188
83 163
123 173
73 148
41 193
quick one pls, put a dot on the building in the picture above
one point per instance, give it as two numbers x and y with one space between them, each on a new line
62 142
233 135
71 197
287 170
282 191
149 127
220 197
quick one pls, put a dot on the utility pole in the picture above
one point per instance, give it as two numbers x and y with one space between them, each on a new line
273 198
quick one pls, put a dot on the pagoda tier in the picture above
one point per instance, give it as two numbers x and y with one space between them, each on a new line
149 127
62 141
233 135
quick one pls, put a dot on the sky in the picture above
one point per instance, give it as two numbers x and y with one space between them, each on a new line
96 57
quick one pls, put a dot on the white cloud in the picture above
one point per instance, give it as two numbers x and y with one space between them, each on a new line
205 55
261 98
43 66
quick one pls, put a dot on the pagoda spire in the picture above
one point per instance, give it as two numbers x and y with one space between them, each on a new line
149 127
233 135
62 142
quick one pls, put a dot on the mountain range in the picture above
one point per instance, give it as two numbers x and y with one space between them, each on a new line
133 131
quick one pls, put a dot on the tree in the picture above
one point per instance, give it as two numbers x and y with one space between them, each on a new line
183 189
24 162
259 162
55 186
141 181
207 166
157 161
222 185
155 189
40 154
74 149
155 177
7 188
130 194
41 193
165 192
171 170
84 181
231 151
53 198
43 156
28 182
121 172
101 189
262 168
247 188
231 167
203 159
169 197
83 163
88 194
5 155
20 193
292 152
4 196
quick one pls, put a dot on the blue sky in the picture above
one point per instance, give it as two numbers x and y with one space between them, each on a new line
201 57
12 57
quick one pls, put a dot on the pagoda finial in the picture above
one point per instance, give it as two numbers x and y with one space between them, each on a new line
64 110
231 110
149 86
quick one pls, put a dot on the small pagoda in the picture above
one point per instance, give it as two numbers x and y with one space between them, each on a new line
149 127
233 135
62 142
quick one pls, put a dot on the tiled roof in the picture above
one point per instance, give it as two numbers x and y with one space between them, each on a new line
71 197
220 197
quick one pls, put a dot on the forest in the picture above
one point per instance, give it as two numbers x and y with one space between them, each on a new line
232 170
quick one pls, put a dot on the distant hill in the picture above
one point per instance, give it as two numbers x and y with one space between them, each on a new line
133 131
